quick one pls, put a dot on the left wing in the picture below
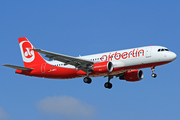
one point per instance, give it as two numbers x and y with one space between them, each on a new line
79 63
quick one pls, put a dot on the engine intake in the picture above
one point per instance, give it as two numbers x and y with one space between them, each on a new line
132 76
103 67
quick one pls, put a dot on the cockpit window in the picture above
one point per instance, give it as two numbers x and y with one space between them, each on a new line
160 50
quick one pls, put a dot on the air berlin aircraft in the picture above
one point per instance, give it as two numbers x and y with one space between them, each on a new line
124 64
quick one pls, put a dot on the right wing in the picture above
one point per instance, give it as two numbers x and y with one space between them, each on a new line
17 67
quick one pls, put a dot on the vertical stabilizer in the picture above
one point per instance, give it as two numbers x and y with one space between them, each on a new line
30 57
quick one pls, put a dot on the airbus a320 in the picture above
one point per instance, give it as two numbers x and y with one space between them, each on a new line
124 64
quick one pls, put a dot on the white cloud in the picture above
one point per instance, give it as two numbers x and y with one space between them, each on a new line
3 114
66 106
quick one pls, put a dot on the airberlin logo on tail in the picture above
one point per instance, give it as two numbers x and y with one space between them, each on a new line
27 51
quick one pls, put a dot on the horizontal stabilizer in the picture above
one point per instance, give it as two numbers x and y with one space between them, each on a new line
17 67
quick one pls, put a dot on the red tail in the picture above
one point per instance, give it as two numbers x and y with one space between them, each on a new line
30 57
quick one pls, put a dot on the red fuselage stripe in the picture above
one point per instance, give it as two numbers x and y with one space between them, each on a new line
67 73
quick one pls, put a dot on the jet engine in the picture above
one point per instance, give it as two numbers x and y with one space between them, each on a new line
103 67
132 76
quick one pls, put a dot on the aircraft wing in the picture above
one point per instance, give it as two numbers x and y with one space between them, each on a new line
17 67
79 63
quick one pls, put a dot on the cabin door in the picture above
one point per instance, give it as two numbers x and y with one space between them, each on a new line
148 52
43 68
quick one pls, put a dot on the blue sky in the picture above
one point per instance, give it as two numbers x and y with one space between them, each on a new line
85 27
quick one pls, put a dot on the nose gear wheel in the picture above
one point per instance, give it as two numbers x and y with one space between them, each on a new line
154 75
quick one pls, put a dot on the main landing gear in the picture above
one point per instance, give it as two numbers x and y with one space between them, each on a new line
87 80
108 85
153 74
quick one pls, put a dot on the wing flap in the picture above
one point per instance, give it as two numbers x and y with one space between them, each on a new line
17 67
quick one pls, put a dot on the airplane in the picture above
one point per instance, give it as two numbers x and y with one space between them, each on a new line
124 64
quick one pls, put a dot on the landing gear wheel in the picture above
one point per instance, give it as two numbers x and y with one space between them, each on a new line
154 75
108 85
87 80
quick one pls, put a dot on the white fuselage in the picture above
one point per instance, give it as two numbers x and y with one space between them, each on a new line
129 57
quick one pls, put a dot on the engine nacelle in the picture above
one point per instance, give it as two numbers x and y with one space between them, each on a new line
132 76
103 67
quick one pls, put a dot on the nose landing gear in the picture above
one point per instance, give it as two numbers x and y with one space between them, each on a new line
154 75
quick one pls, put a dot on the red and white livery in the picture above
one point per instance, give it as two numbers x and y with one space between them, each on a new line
124 64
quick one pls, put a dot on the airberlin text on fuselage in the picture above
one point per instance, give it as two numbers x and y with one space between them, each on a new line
124 55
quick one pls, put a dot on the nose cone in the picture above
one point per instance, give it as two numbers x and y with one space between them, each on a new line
172 56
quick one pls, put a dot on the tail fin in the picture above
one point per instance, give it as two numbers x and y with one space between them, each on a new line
29 56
